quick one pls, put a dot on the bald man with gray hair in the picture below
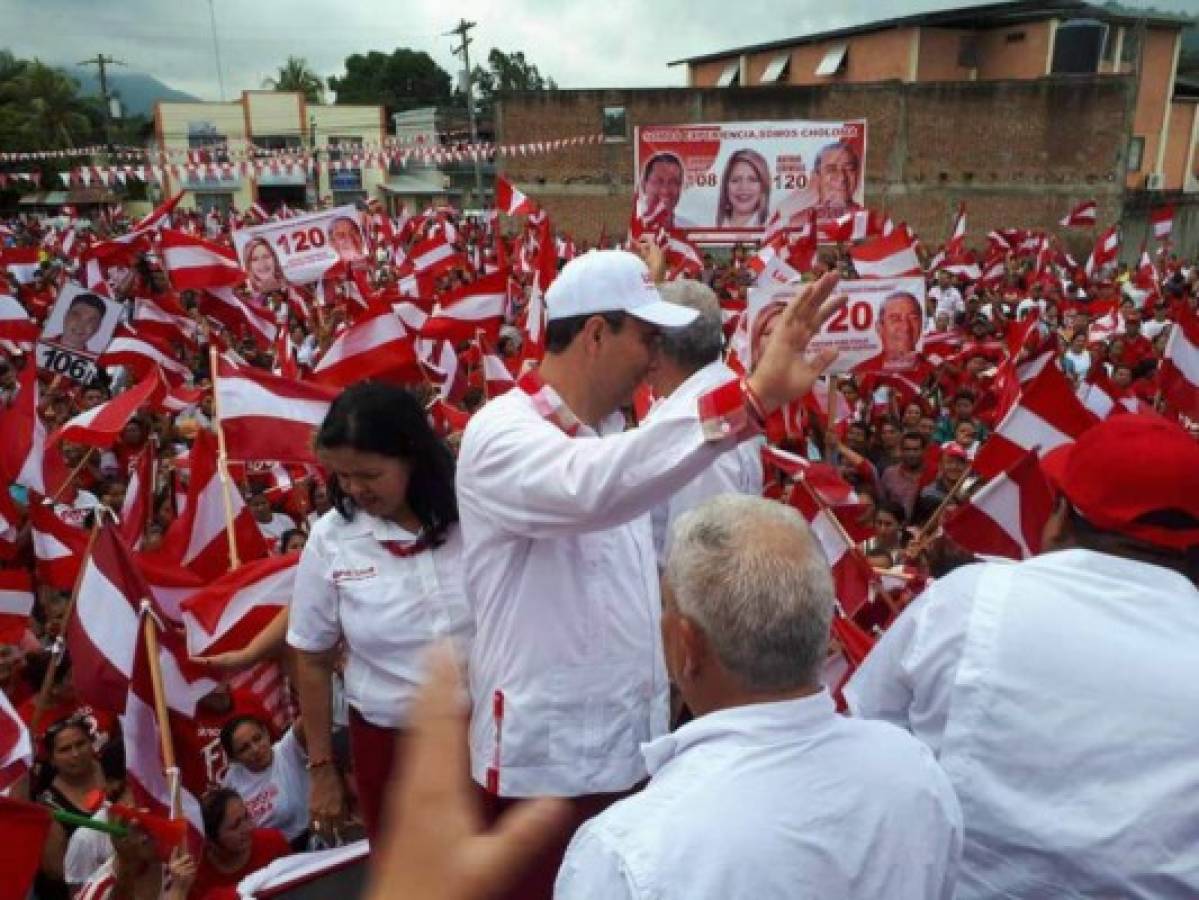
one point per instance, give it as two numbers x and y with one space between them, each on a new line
768 792
690 363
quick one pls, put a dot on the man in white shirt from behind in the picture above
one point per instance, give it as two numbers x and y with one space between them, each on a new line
945 297
1061 693
689 364
768 792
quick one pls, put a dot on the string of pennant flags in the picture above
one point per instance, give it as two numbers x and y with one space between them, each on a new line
367 153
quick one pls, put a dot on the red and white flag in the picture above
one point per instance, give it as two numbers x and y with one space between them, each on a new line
1106 251
240 317
15 324
1082 216
887 257
20 262
101 425
477 306
434 255
267 417
199 539
1047 415
1162 219
376 347
58 546
852 573
16 604
194 264
25 457
150 319
142 356
1180 367
233 610
509 200
853 226
16 749
1006 517
496 376
139 497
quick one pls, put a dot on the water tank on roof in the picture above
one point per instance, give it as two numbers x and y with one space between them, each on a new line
1078 47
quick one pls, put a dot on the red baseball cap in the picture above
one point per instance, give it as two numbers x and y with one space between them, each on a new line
1135 474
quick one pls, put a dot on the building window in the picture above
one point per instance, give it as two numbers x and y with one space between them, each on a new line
615 126
834 60
731 74
277 142
1136 154
344 179
207 202
778 69
209 140
1131 49
1013 37
968 52
1109 45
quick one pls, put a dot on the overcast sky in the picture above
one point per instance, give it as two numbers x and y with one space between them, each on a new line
580 43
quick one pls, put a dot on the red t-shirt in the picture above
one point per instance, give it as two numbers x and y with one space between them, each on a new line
266 846
198 741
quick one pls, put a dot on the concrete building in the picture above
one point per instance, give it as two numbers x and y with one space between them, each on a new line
996 42
1019 109
269 120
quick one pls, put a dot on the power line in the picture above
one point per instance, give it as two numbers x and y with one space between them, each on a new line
101 62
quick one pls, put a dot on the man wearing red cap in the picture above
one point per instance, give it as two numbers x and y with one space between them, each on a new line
1061 693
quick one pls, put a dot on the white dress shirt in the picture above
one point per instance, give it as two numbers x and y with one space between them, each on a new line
775 800
388 608
947 300
1061 695
737 472
561 574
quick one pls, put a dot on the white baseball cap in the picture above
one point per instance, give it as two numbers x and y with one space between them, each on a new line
603 281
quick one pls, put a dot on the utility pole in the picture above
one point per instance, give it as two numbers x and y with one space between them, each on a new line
463 32
101 61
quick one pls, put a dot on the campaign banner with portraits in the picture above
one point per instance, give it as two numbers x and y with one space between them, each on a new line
879 329
79 328
300 250
725 182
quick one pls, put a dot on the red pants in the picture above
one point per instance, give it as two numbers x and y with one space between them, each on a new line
374 753
538 884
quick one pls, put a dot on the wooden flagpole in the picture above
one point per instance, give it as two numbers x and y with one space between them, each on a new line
166 741
933 521
223 462
60 643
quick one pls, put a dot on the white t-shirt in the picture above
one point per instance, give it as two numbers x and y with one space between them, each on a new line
279 525
948 300
87 851
276 797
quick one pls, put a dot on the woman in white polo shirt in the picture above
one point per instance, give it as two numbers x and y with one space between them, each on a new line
382 573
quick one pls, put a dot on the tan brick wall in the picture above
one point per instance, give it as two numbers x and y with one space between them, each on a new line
1009 149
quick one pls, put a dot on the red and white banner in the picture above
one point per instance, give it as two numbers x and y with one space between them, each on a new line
16 749
509 200
1162 220
891 256
15 324
477 306
879 329
732 181
301 249
16 605
141 356
101 425
1180 367
233 610
852 573
373 347
268 417
1007 516
239 316
1105 252
193 264
1082 216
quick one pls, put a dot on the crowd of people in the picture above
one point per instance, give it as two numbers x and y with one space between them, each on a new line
647 619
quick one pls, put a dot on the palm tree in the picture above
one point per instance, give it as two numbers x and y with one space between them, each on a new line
54 113
294 75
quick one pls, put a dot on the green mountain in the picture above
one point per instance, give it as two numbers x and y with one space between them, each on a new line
137 90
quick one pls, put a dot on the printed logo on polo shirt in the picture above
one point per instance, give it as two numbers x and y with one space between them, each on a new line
340 575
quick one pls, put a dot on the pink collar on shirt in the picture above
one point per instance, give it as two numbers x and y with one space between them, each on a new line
547 403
